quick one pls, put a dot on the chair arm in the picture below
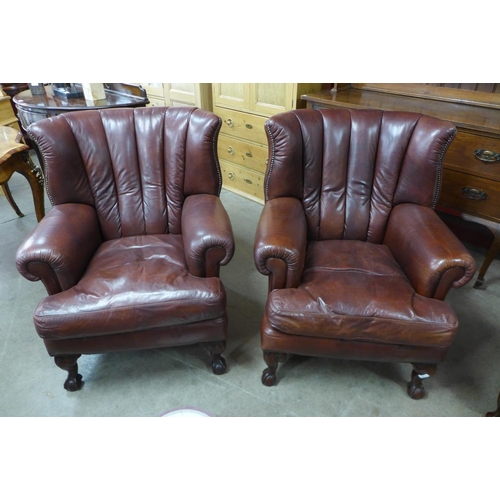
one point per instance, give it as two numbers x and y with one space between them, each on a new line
281 241
207 235
431 256
60 247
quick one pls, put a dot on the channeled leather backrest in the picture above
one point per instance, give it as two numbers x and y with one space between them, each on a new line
350 167
135 166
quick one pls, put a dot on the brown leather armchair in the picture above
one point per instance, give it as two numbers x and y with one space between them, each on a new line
359 264
130 252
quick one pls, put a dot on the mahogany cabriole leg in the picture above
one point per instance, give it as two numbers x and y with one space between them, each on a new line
490 256
68 362
272 359
495 413
420 371
10 199
34 176
218 362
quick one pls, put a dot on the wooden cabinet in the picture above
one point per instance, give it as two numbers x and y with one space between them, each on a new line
471 175
179 94
471 165
244 109
7 116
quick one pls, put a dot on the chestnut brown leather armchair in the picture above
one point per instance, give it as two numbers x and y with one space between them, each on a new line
131 249
359 264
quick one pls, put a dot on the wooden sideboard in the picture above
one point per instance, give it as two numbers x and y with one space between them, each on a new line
471 166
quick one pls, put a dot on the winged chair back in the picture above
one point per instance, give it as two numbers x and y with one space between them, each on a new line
359 264
131 251
351 167
115 156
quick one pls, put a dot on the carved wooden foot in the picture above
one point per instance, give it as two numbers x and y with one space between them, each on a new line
415 388
69 363
10 199
272 360
495 413
218 362
490 257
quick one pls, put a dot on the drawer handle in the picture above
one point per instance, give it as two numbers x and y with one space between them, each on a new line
249 154
230 150
231 176
248 125
248 181
474 194
229 122
486 155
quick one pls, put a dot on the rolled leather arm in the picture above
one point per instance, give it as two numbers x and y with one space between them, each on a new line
207 234
60 247
281 241
431 256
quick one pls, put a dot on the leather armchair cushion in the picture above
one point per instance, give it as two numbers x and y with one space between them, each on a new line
355 290
131 284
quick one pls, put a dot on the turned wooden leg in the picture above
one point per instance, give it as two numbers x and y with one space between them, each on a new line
272 360
34 176
420 371
218 362
490 256
68 362
10 199
495 413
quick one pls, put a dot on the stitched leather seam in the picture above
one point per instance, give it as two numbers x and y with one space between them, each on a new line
45 170
151 305
45 264
214 152
439 172
354 316
271 163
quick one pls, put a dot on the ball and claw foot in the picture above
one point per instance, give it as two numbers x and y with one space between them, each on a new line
414 388
216 349
272 360
73 384
74 381
268 378
219 365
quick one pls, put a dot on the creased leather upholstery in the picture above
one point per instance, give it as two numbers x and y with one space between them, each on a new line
358 261
137 231
360 294
115 156
131 284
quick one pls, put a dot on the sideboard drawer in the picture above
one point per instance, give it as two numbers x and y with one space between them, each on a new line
460 155
471 194
243 153
242 125
242 180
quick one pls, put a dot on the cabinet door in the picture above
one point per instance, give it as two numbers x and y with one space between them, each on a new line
180 93
272 98
189 94
154 90
231 95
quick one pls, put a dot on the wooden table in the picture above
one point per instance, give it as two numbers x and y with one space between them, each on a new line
471 180
32 108
14 157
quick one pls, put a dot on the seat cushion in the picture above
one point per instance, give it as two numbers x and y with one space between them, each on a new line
354 290
131 284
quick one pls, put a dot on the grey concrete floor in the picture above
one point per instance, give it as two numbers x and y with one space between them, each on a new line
150 383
